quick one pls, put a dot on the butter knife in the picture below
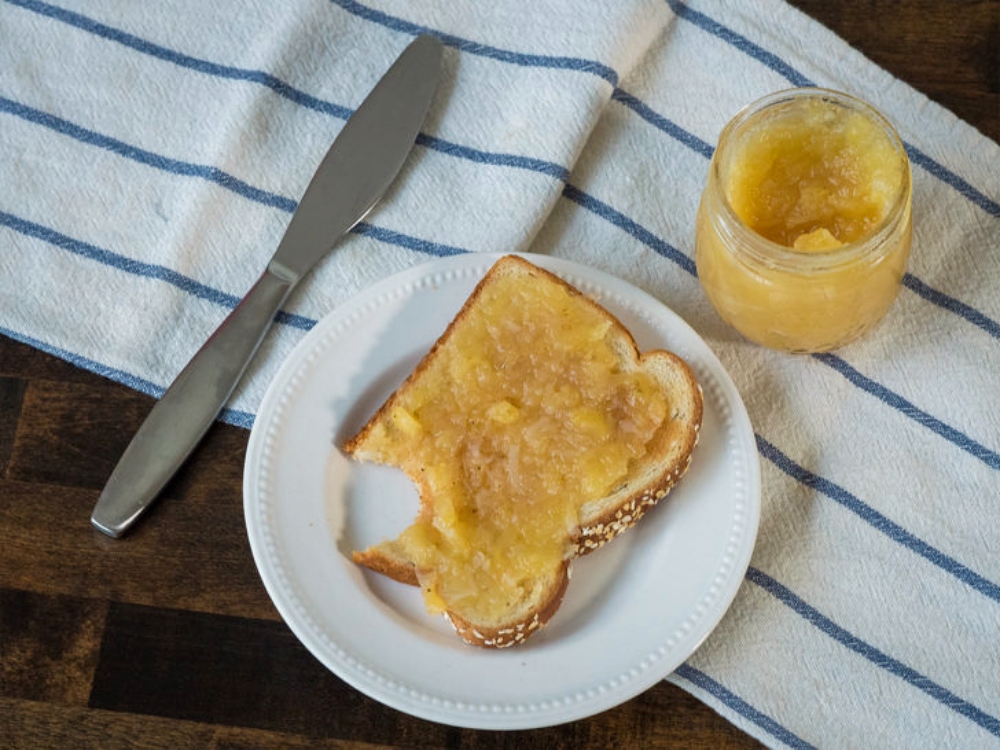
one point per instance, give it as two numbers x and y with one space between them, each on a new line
362 163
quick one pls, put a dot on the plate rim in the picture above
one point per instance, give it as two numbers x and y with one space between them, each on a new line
469 714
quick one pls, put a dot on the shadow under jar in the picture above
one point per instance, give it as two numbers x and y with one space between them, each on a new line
803 231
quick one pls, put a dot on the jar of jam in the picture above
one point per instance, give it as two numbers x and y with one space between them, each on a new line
803 231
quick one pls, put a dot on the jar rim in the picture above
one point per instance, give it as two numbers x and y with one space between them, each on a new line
773 253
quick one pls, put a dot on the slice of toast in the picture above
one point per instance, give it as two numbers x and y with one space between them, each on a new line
535 432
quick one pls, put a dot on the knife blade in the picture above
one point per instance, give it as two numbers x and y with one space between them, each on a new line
362 163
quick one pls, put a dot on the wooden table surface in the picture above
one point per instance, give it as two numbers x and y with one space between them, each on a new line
168 639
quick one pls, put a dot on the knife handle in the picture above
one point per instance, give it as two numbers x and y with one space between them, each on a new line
180 419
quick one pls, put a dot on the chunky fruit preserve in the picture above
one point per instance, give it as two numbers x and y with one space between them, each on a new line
803 232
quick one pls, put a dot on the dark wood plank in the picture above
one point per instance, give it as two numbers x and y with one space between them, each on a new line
45 726
19 360
236 672
196 555
950 51
49 646
11 397
190 559
70 434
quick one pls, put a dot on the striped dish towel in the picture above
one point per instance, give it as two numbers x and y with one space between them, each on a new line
152 155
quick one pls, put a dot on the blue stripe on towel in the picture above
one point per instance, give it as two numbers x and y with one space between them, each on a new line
775 63
740 706
578 64
108 258
125 378
408 241
231 416
951 304
681 10
888 527
906 407
210 174
139 268
918 157
196 288
278 86
482 50
771 60
554 62
541 166
176 166
179 58
877 657
660 122
634 228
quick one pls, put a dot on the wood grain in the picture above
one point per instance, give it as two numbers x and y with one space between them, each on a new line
168 639
950 51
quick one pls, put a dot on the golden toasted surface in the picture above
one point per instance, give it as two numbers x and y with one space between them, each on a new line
533 405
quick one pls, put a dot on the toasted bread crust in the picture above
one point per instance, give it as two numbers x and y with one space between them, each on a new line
603 521
600 521
381 560
517 630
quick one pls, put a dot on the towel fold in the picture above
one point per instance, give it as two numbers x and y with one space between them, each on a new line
153 155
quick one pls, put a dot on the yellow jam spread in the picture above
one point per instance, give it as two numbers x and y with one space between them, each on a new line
522 418
811 176
816 178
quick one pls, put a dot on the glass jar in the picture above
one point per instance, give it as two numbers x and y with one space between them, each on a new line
803 231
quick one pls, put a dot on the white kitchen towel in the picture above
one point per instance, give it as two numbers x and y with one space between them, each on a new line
152 154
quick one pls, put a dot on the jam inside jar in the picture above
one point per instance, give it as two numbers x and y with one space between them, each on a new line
804 228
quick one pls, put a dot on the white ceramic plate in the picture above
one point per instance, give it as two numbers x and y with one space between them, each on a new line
634 611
